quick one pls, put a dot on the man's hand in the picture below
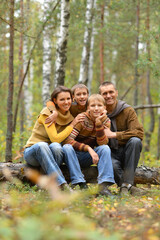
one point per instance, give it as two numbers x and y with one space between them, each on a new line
109 133
94 155
52 118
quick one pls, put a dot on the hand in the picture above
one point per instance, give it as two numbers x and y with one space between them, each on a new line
94 155
79 118
100 119
109 133
52 118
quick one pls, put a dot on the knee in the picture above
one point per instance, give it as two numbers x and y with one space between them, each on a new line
55 146
105 148
42 145
136 142
68 148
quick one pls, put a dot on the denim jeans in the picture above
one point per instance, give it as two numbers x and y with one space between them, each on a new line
125 161
49 157
76 159
72 163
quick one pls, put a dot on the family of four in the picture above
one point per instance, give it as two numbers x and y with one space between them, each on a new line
79 131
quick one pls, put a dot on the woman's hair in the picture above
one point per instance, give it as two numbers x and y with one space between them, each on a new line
79 85
58 90
97 97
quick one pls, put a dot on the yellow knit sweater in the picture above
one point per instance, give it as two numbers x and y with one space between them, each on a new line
55 133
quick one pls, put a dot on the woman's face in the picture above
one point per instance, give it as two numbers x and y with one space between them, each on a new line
63 101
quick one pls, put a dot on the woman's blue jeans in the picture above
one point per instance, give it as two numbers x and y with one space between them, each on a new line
77 159
49 157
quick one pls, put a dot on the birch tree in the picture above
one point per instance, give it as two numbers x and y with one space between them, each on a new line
46 84
8 155
84 67
28 81
61 48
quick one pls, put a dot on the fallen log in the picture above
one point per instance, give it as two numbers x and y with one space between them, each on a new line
143 175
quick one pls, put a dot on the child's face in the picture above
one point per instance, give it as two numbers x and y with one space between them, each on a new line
96 108
81 96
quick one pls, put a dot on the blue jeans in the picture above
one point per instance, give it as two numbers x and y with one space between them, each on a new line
125 160
49 157
76 159
72 163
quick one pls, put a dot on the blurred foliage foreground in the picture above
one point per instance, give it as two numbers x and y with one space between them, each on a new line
32 213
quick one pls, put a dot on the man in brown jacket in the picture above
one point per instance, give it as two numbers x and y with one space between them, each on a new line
125 138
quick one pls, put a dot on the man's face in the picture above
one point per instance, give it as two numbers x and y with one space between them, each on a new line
109 93
81 96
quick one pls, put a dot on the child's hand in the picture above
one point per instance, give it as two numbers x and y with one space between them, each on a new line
94 155
99 120
52 118
79 118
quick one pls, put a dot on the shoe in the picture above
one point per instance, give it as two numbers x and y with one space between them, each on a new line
104 190
137 191
124 191
82 185
65 187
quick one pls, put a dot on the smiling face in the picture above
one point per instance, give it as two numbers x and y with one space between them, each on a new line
110 94
95 108
63 101
81 96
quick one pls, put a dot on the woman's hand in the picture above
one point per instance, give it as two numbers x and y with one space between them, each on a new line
52 118
94 155
79 118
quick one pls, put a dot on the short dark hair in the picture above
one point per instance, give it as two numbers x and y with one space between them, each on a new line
79 85
106 84
58 90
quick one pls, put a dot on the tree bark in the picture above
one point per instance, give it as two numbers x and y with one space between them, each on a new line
61 50
84 67
137 54
8 154
102 46
46 83
151 112
143 175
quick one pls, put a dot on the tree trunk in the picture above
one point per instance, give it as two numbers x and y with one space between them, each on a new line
61 50
8 154
84 67
143 175
137 55
46 84
151 111
91 58
102 46
158 142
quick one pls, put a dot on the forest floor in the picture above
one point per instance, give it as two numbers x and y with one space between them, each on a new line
30 213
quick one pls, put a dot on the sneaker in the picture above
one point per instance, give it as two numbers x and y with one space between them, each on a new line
82 185
124 191
104 190
65 187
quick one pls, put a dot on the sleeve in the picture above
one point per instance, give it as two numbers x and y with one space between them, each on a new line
133 128
71 139
52 131
102 139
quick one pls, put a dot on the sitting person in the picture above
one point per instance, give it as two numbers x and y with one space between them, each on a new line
43 147
90 144
125 138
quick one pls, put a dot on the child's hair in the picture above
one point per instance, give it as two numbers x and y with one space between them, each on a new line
97 97
79 85
58 90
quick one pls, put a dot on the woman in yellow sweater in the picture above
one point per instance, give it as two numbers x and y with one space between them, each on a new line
43 148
